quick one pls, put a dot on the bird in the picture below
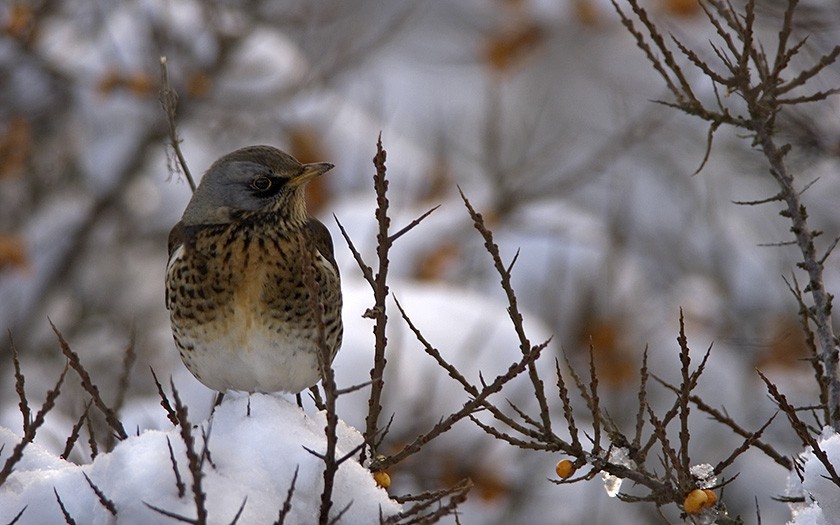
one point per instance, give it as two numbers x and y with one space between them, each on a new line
252 286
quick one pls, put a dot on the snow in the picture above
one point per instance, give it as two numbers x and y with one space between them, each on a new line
822 495
704 474
253 457
471 331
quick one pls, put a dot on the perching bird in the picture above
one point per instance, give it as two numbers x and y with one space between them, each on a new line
243 262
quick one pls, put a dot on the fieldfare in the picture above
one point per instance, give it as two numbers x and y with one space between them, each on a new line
252 286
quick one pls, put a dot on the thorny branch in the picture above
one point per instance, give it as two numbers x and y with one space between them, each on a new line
760 81
379 284
328 384
89 386
32 428
380 293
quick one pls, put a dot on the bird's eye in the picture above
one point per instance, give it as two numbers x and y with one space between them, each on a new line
261 183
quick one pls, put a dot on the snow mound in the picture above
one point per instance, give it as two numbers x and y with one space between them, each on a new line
252 459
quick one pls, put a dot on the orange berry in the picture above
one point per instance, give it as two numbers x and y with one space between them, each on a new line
382 479
712 498
696 501
564 468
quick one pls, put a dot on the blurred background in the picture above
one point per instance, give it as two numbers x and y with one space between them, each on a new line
542 111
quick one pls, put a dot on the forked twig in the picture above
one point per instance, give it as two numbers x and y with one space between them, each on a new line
169 101
87 383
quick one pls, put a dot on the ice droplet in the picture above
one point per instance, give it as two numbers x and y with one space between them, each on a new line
612 484
621 456
704 474
618 456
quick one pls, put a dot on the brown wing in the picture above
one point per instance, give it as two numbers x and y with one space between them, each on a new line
179 235
319 235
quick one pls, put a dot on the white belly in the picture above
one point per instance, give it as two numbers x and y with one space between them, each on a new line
255 361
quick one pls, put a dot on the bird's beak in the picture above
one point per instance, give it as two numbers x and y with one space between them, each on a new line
310 171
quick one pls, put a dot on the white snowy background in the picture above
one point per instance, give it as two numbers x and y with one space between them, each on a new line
540 110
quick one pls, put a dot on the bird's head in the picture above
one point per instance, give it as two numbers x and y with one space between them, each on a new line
252 180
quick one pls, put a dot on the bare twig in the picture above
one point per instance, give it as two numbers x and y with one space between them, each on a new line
568 413
727 421
417 513
325 355
761 85
194 459
513 310
801 429
810 342
29 435
746 445
683 398
18 515
410 226
87 383
76 431
68 519
164 401
101 497
20 381
169 101
129 356
287 503
643 404
92 443
175 516
239 512
466 410
380 293
179 483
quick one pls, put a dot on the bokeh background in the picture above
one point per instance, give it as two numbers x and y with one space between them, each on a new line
541 111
